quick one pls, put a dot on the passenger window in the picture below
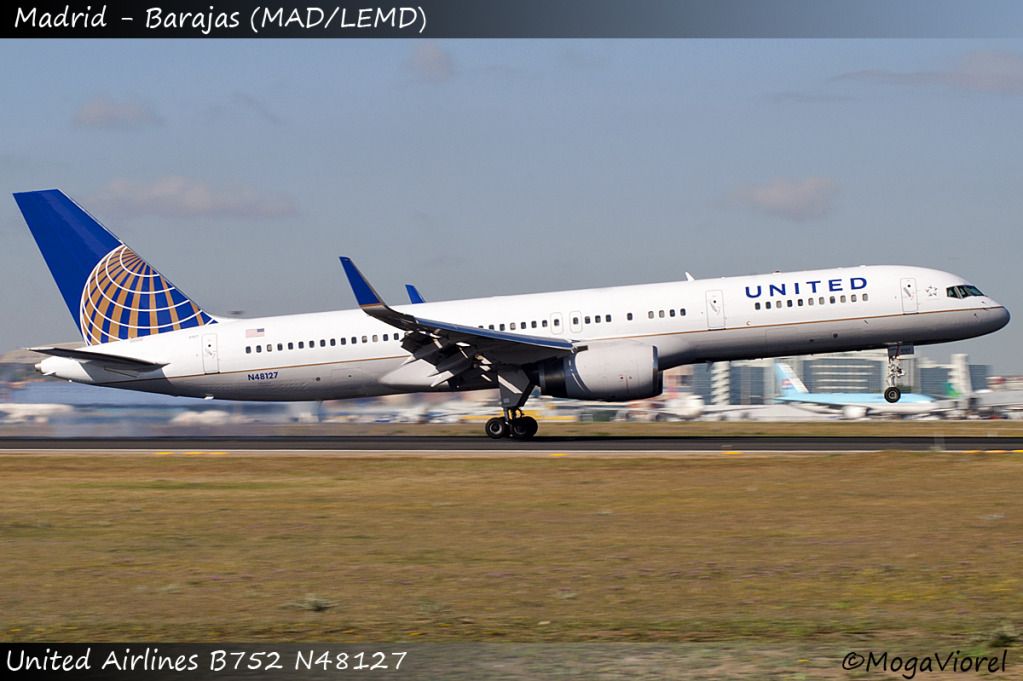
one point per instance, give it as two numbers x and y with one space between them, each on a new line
575 321
557 322
323 343
291 346
543 323
587 319
259 348
671 312
607 318
767 305
841 299
832 301
799 302
809 301
865 297
248 349
491 327
682 312
301 344
534 324
280 346
756 306
789 302
269 348
376 338
501 327
820 301
596 319
512 326
852 298
344 341
523 325
651 314
354 340
660 313
365 339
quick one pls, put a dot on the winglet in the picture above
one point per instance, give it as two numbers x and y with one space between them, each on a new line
413 294
365 295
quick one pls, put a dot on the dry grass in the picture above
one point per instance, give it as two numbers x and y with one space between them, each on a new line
810 549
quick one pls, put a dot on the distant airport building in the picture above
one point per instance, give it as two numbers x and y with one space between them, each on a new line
752 382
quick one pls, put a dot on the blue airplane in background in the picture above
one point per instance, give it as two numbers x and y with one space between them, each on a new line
854 405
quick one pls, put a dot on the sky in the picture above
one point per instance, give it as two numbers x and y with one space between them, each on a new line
241 169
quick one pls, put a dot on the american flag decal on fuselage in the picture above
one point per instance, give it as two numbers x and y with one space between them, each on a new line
124 297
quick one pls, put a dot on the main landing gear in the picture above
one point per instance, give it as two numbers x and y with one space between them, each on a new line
892 393
513 424
515 387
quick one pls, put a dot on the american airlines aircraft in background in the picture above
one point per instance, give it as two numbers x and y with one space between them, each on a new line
140 332
852 405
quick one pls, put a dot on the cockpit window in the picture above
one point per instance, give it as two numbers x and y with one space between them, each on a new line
963 291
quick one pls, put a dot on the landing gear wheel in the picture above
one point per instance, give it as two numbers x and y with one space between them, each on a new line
524 427
892 394
497 428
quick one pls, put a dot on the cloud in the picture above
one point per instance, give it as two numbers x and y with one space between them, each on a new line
241 104
990 72
431 62
796 97
182 197
112 114
797 200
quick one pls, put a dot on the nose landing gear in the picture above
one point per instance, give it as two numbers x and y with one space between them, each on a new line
892 392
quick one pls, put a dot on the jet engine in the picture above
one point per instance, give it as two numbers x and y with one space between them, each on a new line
609 372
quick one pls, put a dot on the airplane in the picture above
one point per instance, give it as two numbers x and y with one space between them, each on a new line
140 332
853 405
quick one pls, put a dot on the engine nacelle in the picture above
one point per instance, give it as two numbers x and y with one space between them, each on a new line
609 372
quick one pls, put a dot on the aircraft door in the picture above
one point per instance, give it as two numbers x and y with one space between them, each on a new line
210 356
910 302
715 310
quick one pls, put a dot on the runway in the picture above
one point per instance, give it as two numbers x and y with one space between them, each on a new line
447 445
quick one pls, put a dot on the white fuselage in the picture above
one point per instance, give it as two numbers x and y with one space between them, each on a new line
335 355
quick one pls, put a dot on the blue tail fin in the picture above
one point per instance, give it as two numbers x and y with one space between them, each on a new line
111 292
788 383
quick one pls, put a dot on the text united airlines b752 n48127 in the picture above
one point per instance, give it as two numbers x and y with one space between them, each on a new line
140 332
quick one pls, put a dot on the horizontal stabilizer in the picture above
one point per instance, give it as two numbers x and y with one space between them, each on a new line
119 360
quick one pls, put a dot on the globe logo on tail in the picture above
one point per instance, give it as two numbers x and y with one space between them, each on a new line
125 298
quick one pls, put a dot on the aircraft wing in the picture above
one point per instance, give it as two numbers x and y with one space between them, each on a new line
120 361
454 348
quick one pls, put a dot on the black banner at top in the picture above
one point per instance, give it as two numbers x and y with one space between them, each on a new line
514 19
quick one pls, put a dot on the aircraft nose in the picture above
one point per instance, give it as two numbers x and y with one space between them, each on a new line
999 316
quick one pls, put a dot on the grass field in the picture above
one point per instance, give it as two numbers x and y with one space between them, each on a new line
783 553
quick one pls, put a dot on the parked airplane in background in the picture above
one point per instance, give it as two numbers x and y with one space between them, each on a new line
141 332
853 405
